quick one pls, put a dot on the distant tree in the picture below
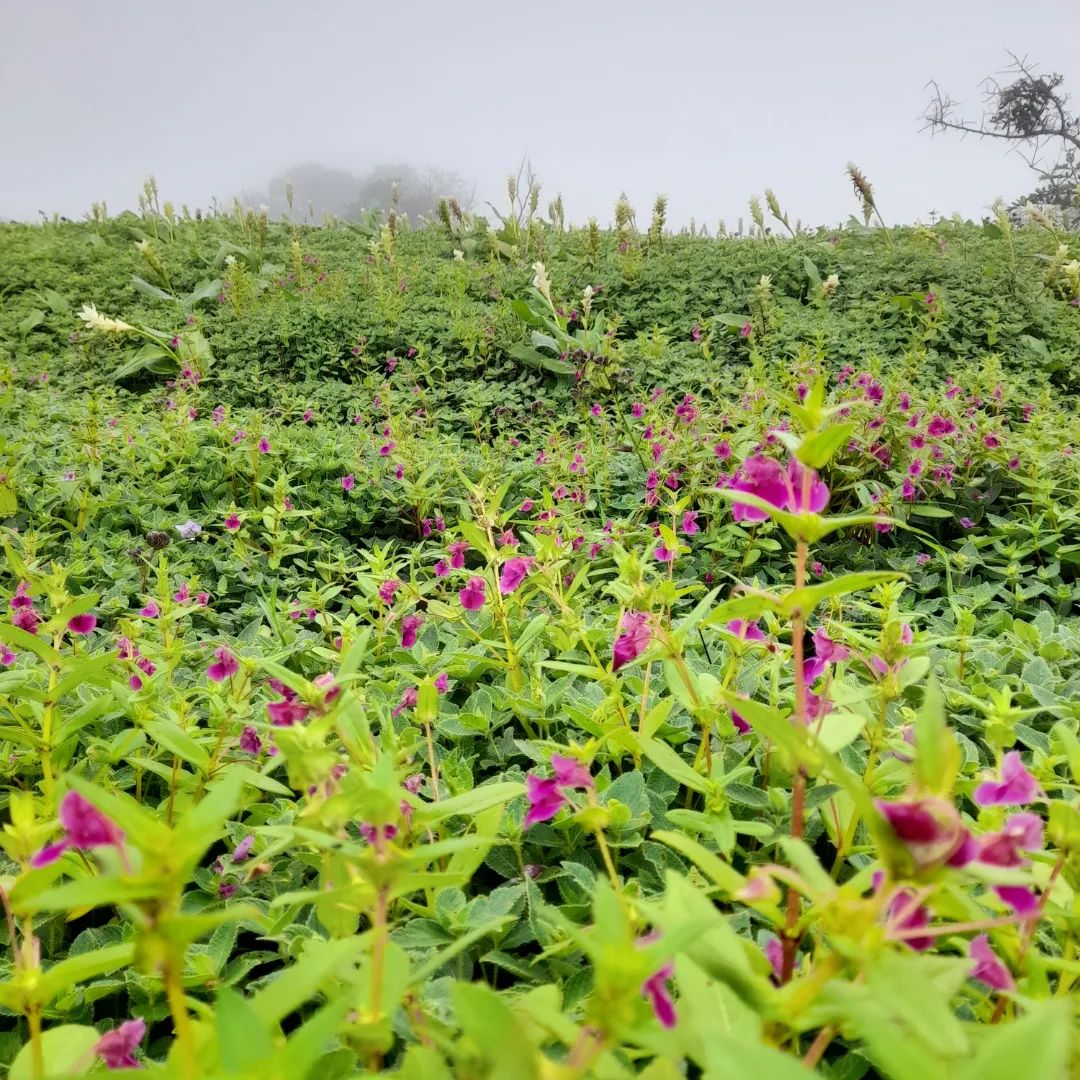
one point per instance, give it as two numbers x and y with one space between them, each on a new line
411 191
1031 111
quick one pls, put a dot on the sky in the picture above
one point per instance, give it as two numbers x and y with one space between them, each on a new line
705 102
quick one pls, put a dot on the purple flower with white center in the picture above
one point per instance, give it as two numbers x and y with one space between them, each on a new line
1015 788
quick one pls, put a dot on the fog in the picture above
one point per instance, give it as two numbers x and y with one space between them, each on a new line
707 102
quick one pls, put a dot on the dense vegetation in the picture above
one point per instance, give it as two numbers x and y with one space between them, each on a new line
538 651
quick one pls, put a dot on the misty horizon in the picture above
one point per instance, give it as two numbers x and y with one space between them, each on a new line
703 103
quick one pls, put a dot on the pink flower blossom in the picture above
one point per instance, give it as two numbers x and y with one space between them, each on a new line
249 741
474 594
1015 788
930 828
232 522
82 624
264 445
387 590
690 526
287 712
348 482
513 573
150 610
655 988
745 631
224 667
545 799
457 553
633 640
987 968
409 626
85 826
117 1048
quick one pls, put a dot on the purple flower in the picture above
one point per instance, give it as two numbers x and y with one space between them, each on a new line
827 650
86 827
745 631
82 624
232 522
774 953
150 610
940 426
1015 788
633 640
474 594
7 657
967 523
513 573
655 988
765 478
287 712
987 967
249 741
442 568
1020 898
224 667
457 553
903 916
264 445
545 799
409 625
929 828
741 726
348 482
690 526
1022 832
117 1048
188 530
664 554
387 590
442 682
570 773
243 849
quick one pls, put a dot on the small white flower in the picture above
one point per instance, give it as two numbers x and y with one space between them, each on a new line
188 530
96 321
830 285
459 256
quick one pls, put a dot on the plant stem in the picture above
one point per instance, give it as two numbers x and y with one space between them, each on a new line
185 1035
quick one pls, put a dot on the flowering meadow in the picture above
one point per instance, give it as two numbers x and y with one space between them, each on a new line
539 651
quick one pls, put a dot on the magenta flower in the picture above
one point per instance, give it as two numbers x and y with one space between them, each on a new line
1020 898
1022 832
513 573
904 916
745 631
987 967
664 554
7 657
409 625
442 682
442 568
774 953
746 329
474 594
967 523
117 1048
816 495
655 988
224 667
940 426
1015 788
387 590
457 553
264 445
545 799
387 448
827 650
287 712
348 482
929 828
408 701
82 624
570 773
86 827
249 741
243 849
232 522
765 478
633 640
151 610
690 526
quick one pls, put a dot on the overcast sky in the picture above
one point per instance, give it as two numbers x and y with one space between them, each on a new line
707 102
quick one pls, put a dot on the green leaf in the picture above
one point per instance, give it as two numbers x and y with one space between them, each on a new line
242 1038
671 764
82 967
472 802
486 1018
1036 1045
320 964
64 1049
819 449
